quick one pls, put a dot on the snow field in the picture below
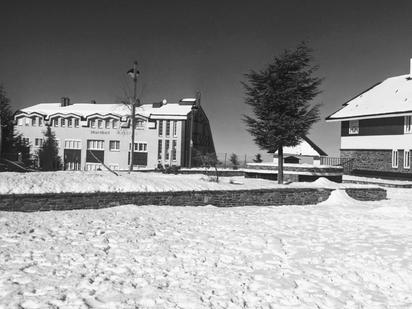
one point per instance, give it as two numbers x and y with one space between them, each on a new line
65 181
338 254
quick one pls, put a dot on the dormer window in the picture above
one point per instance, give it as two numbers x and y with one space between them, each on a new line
20 121
139 123
55 122
407 127
354 127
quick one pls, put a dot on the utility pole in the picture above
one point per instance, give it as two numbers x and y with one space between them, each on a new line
133 73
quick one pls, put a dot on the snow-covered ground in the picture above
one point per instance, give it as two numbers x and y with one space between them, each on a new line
338 254
64 181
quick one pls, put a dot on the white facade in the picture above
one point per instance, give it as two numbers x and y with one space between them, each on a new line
89 134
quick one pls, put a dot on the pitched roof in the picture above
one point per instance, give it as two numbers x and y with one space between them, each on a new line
391 97
306 148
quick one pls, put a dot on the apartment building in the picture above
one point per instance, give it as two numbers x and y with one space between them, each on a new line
90 134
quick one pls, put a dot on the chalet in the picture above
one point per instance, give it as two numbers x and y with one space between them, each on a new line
89 134
376 128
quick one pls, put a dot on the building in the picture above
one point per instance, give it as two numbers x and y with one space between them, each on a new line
376 128
305 152
90 134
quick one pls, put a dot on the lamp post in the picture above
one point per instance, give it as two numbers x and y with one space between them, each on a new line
133 73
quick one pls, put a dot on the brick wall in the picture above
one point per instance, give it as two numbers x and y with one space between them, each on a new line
263 197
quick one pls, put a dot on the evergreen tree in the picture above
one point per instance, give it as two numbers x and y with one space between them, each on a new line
48 152
258 158
234 160
6 121
280 96
11 144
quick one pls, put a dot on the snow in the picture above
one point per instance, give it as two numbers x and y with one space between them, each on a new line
338 254
65 181
376 180
393 95
88 109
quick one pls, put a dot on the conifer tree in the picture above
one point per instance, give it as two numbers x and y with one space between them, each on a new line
280 96
6 121
258 158
11 143
234 160
48 152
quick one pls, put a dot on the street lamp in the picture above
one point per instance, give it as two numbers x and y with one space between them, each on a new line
133 73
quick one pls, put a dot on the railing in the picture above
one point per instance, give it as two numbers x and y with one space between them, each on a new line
346 163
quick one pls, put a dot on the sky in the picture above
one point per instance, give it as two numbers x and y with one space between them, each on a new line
83 49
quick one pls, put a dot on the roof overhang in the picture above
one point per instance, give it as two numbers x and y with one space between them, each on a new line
370 116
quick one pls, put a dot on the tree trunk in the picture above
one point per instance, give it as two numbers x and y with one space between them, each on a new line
280 165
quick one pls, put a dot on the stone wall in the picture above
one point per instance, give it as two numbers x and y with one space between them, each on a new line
263 197
376 162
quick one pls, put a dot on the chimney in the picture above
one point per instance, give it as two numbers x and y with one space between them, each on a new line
64 101
93 101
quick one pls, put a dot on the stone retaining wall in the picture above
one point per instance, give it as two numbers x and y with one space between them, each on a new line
263 197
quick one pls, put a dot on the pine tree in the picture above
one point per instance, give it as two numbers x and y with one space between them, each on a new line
6 120
280 96
11 144
48 152
258 158
234 160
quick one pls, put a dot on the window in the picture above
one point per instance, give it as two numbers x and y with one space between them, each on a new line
20 121
159 149
40 121
107 123
72 144
406 159
55 122
93 123
38 142
167 146
394 158
160 127
28 121
26 140
174 144
100 123
139 123
63 122
34 121
76 123
95 144
354 127
139 147
114 145
70 122
174 128
142 147
407 127
167 128
115 124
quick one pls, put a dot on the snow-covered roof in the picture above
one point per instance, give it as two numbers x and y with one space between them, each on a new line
392 97
173 110
306 148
